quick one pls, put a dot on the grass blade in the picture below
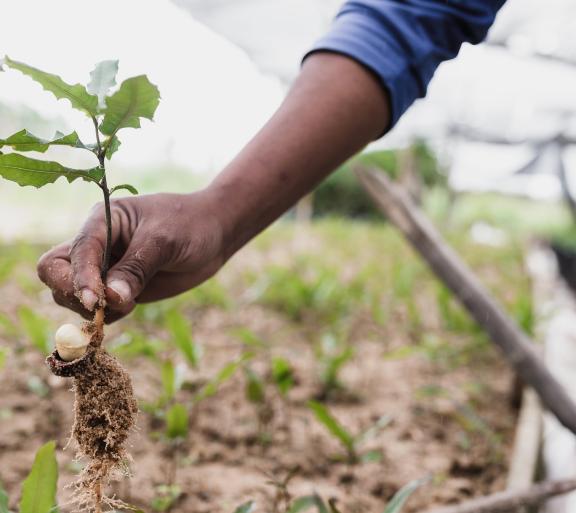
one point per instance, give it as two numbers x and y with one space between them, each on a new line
402 495
39 488
332 425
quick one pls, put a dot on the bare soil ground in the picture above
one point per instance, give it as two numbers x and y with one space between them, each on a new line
448 397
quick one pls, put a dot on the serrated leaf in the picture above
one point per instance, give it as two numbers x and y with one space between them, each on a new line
401 496
102 79
39 488
137 98
112 146
77 94
130 188
25 141
37 173
248 507
177 422
332 424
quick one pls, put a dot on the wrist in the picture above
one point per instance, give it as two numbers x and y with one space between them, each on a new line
224 206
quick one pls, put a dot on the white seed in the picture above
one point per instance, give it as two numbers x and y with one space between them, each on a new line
71 342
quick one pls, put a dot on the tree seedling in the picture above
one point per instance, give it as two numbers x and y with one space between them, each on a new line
350 442
105 408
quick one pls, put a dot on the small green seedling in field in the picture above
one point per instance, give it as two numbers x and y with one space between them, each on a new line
282 375
39 488
256 395
282 497
180 334
331 356
36 328
247 507
166 497
350 442
396 504
136 98
177 423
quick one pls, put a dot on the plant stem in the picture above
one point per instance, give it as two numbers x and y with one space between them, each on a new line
106 193
108 250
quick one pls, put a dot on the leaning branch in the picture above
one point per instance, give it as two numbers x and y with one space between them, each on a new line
505 333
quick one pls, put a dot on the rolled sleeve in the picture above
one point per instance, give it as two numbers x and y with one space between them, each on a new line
404 41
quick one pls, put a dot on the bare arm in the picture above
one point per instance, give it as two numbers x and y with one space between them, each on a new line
165 244
334 109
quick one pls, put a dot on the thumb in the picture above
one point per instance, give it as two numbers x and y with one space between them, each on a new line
128 277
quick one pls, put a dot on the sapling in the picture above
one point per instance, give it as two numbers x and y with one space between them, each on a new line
105 407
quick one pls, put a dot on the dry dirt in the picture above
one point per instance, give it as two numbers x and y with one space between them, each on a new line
461 436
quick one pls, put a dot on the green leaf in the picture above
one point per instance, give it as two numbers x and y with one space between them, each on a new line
282 374
332 424
333 365
102 79
307 502
248 507
130 188
255 391
137 98
210 388
39 488
402 495
25 141
180 330
3 500
77 94
111 144
169 380
167 496
36 328
177 422
374 429
26 171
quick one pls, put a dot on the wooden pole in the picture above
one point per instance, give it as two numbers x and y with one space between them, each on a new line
510 501
518 349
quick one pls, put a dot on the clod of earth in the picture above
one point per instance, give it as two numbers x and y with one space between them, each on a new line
104 414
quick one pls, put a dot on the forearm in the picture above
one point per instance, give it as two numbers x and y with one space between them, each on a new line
333 110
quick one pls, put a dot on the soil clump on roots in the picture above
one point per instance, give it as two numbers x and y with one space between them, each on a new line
105 411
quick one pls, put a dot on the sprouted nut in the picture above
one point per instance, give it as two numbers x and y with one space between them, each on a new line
71 342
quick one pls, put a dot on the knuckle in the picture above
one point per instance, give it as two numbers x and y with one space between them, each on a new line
82 240
137 269
43 266
97 210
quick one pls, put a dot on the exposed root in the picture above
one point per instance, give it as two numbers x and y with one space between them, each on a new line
105 413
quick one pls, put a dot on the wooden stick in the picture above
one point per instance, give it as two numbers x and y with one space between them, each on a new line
505 333
510 500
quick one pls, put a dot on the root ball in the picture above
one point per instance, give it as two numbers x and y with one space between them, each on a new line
104 414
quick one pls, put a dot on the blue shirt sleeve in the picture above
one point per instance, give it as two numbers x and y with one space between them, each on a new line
404 41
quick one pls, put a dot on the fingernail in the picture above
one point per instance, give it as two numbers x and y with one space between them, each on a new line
121 288
89 299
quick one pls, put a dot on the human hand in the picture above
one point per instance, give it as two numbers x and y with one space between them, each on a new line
162 245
